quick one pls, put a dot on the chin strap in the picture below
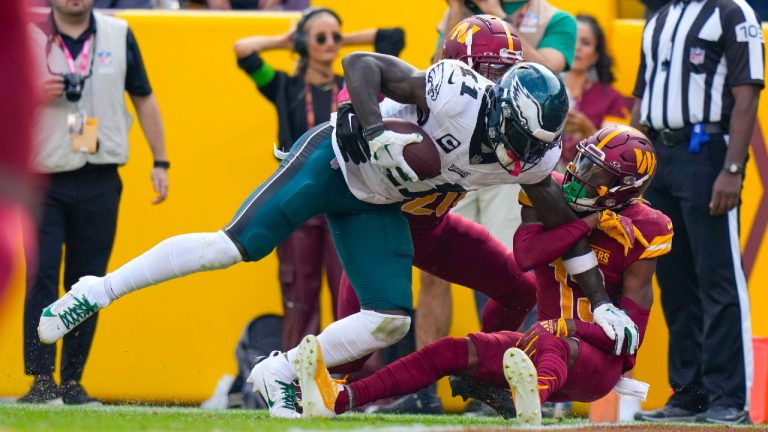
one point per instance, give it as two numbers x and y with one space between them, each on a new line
517 167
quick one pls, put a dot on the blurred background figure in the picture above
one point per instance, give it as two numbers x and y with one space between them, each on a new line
594 103
82 137
18 194
304 99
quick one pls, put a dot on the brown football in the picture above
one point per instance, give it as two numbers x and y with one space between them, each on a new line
422 157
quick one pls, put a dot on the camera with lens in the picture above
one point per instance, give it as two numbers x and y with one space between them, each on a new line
73 86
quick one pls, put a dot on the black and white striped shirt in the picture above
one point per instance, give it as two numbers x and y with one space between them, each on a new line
692 53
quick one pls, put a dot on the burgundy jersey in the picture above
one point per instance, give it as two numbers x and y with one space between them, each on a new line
426 212
559 296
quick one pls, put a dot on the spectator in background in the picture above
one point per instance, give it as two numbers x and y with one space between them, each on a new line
549 38
698 91
594 103
80 207
303 100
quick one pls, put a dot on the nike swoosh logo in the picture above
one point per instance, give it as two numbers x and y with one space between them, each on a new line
47 313
450 78
270 402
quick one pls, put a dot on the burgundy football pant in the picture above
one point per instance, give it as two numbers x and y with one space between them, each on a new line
591 377
302 256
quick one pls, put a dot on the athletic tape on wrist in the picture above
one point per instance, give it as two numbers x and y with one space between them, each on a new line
580 264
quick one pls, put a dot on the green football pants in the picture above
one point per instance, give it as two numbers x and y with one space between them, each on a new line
373 241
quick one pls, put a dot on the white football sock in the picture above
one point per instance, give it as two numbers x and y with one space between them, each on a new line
358 335
172 258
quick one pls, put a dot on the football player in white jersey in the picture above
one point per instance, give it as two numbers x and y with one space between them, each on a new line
515 125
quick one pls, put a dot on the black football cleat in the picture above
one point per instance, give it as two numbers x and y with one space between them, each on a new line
422 402
497 398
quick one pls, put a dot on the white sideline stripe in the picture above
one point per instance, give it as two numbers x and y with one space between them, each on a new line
741 289
295 155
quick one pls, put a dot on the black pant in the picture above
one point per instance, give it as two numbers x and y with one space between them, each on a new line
79 213
703 288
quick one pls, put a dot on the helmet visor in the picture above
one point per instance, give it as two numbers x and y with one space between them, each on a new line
529 150
492 71
587 179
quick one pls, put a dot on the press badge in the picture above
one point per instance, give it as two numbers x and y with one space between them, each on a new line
82 132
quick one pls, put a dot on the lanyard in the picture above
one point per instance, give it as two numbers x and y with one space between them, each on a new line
311 108
68 55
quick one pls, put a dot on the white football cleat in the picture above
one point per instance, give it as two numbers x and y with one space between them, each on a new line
318 390
523 382
66 313
279 394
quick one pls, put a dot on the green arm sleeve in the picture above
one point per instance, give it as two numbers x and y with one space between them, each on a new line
263 75
260 72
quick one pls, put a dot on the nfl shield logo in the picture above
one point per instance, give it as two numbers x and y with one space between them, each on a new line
697 55
105 57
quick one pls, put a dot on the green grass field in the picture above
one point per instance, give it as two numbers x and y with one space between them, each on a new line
147 418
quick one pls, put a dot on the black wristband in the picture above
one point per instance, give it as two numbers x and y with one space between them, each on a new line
161 164
250 63
373 129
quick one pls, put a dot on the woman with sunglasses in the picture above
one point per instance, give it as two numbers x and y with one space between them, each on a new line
304 99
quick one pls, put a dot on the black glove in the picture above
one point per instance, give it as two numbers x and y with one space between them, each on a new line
349 136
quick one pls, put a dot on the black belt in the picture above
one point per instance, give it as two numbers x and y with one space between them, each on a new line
670 137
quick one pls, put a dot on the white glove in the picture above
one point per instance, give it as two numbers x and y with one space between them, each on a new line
387 153
617 325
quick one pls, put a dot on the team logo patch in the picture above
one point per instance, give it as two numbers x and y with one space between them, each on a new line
645 162
528 108
459 171
435 81
104 57
462 33
697 55
334 164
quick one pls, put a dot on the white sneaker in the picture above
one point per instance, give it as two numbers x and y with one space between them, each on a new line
523 382
318 390
66 313
278 393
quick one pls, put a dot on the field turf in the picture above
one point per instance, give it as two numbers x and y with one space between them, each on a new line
15 417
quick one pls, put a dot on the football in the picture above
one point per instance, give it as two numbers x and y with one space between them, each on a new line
422 157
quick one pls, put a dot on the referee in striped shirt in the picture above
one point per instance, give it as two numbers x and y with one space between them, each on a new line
701 72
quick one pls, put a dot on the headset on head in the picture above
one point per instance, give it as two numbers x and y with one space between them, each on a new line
300 37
